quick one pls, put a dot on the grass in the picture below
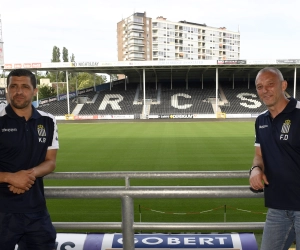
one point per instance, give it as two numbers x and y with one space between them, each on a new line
156 146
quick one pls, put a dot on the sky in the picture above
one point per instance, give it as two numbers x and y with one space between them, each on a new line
88 28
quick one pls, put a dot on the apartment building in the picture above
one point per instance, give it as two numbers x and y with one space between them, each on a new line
144 38
134 35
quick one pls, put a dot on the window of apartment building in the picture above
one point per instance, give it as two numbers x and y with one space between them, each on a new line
195 30
170 33
134 41
170 26
185 28
136 27
161 39
161 25
136 34
186 49
135 48
161 47
137 19
161 33
170 40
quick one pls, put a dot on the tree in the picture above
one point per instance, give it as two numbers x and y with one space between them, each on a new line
65 55
76 80
46 91
86 80
72 58
61 75
55 54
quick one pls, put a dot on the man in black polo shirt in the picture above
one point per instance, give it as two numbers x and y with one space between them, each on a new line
276 163
28 147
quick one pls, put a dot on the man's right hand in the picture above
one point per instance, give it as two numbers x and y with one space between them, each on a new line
21 181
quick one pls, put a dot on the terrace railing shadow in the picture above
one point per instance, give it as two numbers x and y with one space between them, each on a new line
128 193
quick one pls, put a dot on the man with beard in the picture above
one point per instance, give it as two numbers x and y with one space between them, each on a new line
28 148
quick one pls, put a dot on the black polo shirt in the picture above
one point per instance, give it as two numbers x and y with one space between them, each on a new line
23 145
279 140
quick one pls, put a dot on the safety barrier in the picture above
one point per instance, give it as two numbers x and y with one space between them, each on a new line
127 193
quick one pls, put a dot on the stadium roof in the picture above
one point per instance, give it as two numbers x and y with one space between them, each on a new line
166 70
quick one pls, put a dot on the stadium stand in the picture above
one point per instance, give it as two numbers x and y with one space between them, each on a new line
58 107
161 99
240 99
179 100
114 101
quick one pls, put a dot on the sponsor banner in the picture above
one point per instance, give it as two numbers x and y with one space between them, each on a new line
91 64
115 117
261 62
60 118
238 115
69 116
85 117
288 61
220 62
64 96
164 116
47 100
17 65
8 66
188 116
36 65
110 64
57 65
189 241
221 115
234 241
44 101
83 91
153 116
254 115
85 64
204 116
70 241
27 65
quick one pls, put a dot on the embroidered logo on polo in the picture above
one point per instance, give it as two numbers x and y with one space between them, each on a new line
42 133
285 130
9 130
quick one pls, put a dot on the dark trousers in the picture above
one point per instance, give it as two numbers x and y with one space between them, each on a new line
30 231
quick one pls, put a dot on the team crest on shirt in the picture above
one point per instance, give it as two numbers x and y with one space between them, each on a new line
42 133
286 126
285 130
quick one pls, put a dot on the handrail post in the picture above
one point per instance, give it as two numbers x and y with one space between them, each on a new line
127 223
127 182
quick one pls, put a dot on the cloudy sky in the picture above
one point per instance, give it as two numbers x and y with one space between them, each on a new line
87 28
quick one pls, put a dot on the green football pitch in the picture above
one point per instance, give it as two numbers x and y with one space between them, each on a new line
156 146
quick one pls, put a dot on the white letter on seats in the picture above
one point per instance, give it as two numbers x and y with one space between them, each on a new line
113 103
174 101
